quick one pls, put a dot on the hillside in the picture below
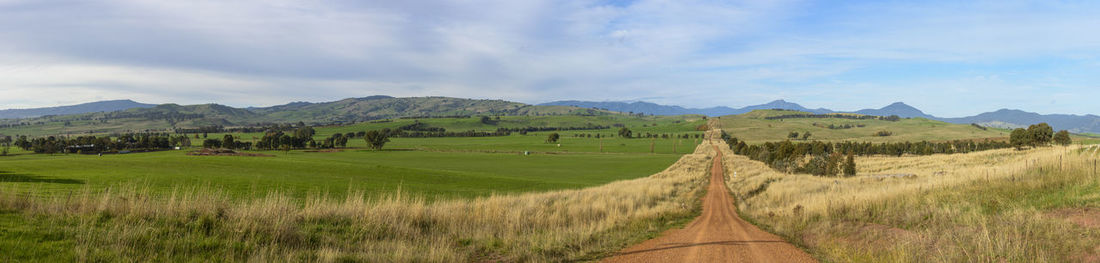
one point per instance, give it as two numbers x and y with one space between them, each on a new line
1004 118
168 116
897 108
100 106
657 109
754 127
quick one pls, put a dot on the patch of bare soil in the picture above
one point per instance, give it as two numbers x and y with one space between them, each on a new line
225 152
1085 217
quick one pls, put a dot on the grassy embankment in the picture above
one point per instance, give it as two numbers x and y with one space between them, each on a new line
133 224
992 206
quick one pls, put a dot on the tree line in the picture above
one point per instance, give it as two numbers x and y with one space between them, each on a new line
817 158
827 159
94 144
1038 135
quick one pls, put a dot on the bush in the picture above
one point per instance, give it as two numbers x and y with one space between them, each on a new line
211 143
376 139
1062 138
553 138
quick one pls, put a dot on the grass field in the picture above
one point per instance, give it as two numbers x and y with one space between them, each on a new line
432 174
992 206
458 199
753 128
431 167
130 223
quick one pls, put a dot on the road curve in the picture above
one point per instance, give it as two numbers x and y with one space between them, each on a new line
718 235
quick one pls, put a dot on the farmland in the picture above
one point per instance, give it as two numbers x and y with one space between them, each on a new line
518 197
753 127
431 167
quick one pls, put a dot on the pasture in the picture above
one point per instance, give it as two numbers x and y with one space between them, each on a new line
299 173
434 168
753 128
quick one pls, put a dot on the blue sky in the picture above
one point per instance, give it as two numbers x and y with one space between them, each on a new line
948 58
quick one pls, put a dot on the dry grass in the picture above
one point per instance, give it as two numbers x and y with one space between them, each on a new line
986 207
131 224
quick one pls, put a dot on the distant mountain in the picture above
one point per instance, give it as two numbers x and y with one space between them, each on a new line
635 107
1000 119
167 117
781 104
101 106
657 109
127 115
897 108
1006 118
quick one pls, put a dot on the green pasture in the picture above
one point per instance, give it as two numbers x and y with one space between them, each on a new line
420 173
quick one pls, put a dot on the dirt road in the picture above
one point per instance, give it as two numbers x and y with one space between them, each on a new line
718 235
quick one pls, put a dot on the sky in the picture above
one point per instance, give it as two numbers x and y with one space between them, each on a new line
948 58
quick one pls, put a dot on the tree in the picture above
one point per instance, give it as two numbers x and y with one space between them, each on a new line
553 138
486 120
304 133
229 142
23 143
341 141
850 165
211 143
806 135
1019 138
625 133
1040 134
5 144
1062 138
376 139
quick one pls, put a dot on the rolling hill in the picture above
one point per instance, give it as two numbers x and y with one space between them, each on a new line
100 106
169 116
1004 118
657 109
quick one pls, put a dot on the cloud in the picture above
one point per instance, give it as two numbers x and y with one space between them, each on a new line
692 53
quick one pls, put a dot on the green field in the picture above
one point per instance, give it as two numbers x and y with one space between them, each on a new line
753 128
434 168
533 141
429 174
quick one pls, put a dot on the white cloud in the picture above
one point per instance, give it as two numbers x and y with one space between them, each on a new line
693 53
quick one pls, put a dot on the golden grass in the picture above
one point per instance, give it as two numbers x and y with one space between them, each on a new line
987 206
131 224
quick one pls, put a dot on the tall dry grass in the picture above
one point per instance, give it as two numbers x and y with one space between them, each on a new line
990 206
131 224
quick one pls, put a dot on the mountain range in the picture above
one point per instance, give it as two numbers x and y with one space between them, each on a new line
166 117
1004 118
381 107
